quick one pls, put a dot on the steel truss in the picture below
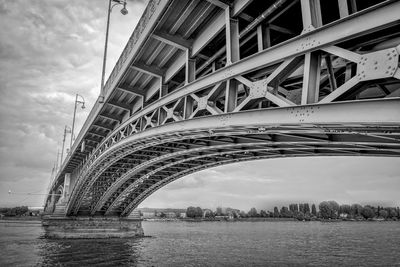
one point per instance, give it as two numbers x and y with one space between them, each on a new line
282 99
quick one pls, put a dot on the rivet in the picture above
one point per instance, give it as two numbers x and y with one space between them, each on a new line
376 68
390 58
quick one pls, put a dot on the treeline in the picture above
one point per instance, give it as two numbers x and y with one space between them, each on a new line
332 210
16 211
304 211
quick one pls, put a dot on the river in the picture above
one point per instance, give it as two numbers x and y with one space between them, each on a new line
212 244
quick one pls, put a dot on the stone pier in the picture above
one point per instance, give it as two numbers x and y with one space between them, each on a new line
92 227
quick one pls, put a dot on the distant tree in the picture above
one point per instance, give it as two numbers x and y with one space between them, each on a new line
306 208
16 211
253 212
346 209
301 207
392 212
329 209
191 212
324 210
276 212
294 208
199 212
209 214
356 210
285 212
367 212
163 215
300 216
243 214
335 208
263 213
383 213
313 210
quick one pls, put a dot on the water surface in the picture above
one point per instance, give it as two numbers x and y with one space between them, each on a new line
212 243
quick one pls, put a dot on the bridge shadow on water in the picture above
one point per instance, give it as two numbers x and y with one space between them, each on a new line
88 252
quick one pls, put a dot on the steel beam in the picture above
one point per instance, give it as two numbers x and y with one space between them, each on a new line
119 105
111 117
150 70
172 40
361 23
131 90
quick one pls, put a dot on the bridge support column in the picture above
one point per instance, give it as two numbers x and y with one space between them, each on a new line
91 227
67 180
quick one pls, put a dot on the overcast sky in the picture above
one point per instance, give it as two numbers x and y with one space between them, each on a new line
52 49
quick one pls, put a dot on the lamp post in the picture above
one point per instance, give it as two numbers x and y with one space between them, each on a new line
124 11
73 120
67 129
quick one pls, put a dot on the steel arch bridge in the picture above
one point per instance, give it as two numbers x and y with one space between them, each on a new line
207 83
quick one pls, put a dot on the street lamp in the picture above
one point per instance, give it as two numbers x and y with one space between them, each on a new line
124 11
73 120
67 129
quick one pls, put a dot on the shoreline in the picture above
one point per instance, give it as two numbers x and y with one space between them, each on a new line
38 220
261 220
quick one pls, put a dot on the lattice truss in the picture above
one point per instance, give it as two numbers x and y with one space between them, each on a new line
253 64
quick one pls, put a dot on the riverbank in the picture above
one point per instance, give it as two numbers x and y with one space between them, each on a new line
261 219
21 218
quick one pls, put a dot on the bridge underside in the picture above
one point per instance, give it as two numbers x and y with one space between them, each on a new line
147 161
206 83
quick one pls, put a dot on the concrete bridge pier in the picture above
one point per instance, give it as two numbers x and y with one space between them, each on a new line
92 227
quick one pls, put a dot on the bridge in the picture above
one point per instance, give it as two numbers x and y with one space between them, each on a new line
203 83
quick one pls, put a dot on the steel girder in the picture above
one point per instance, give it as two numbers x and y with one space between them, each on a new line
312 130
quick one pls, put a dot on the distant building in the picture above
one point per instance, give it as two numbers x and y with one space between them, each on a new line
148 215
170 215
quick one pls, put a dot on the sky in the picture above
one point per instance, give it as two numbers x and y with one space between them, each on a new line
51 50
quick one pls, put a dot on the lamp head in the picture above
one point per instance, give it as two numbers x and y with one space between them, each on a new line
83 105
124 11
